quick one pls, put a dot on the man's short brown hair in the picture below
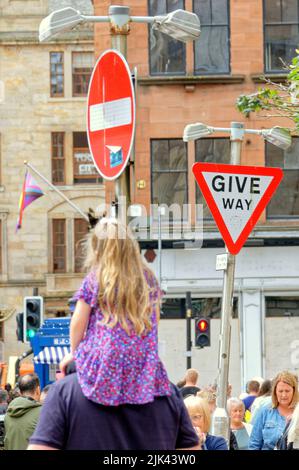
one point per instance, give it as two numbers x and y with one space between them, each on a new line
253 386
28 383
191 376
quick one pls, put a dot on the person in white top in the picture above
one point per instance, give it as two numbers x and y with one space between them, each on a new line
242 430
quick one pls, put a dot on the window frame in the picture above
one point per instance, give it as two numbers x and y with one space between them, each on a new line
53 158
82 94
97 178
285 171
287 297
196 299
165 74
228 26
57 95
167 171
197 142
266 70
64 269
77 220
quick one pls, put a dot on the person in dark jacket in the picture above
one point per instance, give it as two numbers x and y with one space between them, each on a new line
3 401
3 408
200 415
22 414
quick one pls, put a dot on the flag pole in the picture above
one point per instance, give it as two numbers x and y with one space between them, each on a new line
57 190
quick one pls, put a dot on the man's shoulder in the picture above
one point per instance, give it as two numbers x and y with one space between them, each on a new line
216 442
249 399
71 382
67 383
176 394
189 390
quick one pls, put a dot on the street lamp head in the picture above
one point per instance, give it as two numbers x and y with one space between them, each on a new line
278 136
179 24
59 21
196 131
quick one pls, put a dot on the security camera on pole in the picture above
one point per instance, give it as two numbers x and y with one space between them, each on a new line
236 196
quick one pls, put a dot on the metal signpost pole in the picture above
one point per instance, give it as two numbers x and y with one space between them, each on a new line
188 329
220 419
159 247
231 223
120 29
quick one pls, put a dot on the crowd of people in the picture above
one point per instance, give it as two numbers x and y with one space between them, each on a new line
265 417
114 392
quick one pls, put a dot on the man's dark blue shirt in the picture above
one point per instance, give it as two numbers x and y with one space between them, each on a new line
72 422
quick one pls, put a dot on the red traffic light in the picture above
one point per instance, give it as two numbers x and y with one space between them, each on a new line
202 325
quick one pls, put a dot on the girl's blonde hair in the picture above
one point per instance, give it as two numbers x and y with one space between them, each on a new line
290 379
196 405
124 294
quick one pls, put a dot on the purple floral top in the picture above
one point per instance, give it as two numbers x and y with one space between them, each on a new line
114 368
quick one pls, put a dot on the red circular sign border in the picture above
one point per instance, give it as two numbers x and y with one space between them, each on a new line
123 59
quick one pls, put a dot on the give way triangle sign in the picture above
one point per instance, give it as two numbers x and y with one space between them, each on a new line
236 196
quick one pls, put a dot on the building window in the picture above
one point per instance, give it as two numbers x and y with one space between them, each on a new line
281 34
84 169
212 49
58 158
59 245
56 74
210 151
82 64
285 202
169 172
207 307
80 232
167 55
282 306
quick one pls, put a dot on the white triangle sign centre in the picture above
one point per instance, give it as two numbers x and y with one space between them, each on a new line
236 196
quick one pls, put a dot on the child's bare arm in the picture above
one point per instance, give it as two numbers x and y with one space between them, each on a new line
79 323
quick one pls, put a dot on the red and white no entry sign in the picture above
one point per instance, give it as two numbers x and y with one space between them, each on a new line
111 114
236 196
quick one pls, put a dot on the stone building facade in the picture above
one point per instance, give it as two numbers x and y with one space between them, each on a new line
42 120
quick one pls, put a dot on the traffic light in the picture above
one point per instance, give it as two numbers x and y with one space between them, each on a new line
33 316
202 332
20 327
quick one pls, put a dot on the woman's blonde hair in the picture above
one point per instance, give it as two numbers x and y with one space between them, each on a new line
124 293
208 395
197 405
292 381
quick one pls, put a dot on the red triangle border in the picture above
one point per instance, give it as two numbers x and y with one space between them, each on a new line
276 173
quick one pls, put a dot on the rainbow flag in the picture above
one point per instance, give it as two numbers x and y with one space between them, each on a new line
30 192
